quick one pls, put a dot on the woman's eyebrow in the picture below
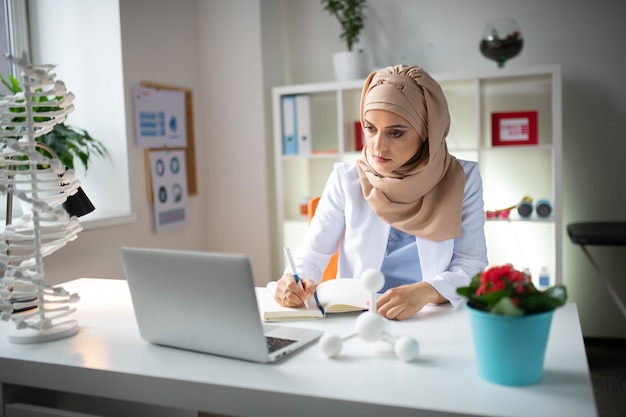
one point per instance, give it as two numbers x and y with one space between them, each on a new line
398 126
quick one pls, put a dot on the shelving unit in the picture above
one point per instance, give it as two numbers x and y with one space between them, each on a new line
508 172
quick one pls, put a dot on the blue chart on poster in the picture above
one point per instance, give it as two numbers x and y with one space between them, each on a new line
160 118
169 188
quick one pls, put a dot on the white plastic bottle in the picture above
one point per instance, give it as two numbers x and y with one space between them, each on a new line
544 278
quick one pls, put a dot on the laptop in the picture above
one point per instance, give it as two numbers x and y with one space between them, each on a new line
205 302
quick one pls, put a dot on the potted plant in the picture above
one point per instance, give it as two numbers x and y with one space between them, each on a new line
510 320
66 141
349 64
63 142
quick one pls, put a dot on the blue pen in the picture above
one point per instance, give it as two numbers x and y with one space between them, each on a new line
292 265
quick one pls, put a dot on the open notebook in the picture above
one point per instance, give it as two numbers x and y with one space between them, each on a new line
204 302
339 295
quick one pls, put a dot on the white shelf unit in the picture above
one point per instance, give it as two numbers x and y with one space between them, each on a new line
508 172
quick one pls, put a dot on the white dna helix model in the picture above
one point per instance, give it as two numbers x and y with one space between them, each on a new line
371 326
43 184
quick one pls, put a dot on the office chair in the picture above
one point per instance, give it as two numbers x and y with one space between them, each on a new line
331 269
600 234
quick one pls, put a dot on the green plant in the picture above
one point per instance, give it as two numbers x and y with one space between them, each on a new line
350 15
66 141
507 291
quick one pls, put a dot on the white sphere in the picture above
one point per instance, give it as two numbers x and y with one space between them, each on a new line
373 280
370 326
330 344
406 348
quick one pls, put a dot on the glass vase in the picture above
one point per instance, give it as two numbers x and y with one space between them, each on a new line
501 40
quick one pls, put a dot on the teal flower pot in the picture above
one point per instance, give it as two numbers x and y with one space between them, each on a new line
510 350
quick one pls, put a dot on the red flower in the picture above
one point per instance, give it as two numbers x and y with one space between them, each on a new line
508 291
499 278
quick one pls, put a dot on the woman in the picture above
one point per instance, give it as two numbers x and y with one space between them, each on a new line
406 207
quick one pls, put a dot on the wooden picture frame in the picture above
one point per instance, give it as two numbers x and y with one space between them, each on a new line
514 128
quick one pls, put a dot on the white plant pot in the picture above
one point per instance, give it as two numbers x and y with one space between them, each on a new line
350 65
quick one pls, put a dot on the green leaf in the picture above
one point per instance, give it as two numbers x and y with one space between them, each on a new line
493 298
506 307
558 294
12 85
464 291
541 302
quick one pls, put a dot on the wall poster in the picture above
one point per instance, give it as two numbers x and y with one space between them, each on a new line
169 188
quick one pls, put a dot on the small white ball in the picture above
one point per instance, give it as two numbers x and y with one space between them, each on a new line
330 344
373 280
370 326
406 348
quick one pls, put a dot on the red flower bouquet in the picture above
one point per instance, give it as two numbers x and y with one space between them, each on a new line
506 291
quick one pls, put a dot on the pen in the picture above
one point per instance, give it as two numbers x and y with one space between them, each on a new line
292 265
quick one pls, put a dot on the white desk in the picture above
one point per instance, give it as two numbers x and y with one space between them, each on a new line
108 359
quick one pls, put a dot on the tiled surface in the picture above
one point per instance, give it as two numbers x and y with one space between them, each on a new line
607 363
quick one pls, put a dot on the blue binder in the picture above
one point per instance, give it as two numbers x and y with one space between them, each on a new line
303 124
290 140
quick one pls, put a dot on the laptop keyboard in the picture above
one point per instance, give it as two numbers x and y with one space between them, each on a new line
275 343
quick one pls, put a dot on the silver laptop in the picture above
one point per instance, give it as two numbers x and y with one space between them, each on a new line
205 302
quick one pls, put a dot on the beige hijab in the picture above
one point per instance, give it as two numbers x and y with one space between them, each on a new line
425 196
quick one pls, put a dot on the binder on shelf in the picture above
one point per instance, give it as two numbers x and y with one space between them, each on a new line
359 141
303 124
290 143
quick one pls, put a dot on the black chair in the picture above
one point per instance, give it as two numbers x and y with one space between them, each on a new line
599 234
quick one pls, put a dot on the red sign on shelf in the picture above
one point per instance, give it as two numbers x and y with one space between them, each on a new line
514 128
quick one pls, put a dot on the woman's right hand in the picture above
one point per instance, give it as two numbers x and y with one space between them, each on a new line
289 293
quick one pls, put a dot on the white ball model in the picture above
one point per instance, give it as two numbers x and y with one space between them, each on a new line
371 326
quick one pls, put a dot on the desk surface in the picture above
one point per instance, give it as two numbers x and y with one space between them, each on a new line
107 358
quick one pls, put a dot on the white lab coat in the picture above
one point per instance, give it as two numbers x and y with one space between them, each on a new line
343 215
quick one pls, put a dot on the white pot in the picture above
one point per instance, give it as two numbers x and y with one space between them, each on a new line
350 65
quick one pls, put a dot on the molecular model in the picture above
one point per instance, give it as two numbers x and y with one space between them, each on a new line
371 326
43 184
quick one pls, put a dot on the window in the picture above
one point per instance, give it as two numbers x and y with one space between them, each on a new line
14 37
15 31
88 58
5 68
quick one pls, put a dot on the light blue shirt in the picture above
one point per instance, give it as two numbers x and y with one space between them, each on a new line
401 264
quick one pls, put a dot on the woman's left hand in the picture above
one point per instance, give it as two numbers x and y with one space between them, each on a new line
402 302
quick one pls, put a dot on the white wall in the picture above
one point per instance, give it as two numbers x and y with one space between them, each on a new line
232 53
232 111
212 48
